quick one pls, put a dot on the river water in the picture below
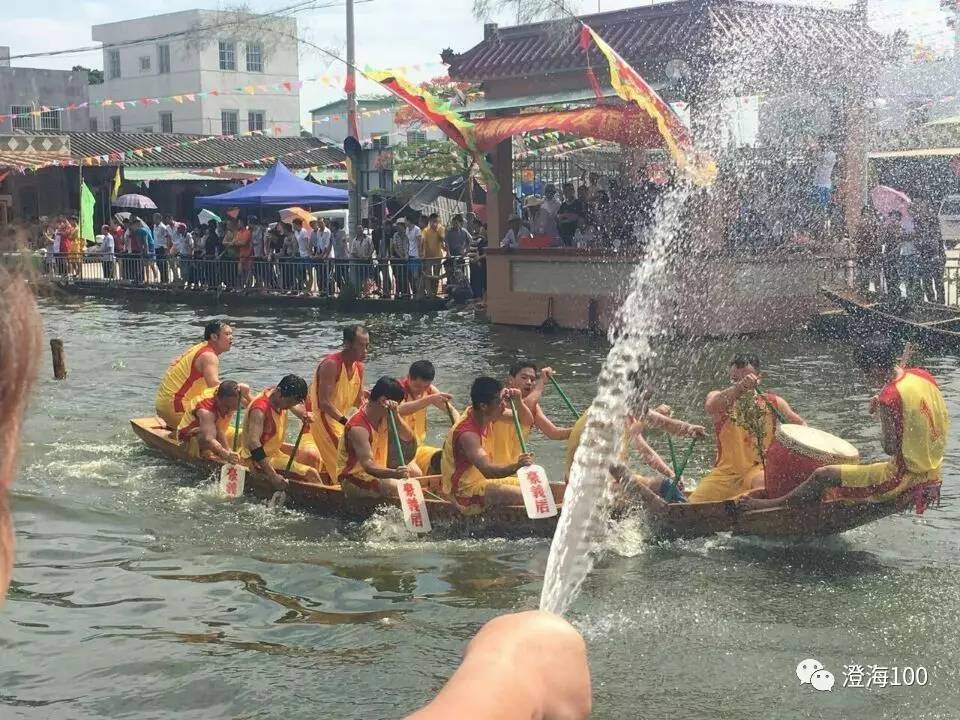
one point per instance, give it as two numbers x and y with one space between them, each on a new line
139 594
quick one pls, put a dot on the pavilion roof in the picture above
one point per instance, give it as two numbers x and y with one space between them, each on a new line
648 36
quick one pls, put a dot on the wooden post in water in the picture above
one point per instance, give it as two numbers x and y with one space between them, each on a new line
59 361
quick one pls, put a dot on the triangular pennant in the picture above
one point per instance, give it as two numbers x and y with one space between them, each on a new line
249 89
191 97
178 98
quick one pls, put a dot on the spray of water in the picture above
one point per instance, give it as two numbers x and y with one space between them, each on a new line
587 504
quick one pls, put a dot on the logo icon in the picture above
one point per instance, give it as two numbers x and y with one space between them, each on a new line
807 668
822 680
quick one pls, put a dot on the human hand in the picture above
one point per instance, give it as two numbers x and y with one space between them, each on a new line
390 405
511 393
524 460
233 457
749 382
440 399
536 660
664 410
696 431
307 418
547 373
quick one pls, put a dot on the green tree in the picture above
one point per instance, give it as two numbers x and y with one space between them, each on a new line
429 160
94 76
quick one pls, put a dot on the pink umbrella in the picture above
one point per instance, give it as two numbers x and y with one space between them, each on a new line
886 200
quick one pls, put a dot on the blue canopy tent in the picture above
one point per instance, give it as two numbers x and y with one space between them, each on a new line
278 188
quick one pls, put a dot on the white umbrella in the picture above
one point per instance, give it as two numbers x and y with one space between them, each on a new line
139 202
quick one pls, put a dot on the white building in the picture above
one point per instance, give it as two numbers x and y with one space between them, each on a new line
203 54
377 121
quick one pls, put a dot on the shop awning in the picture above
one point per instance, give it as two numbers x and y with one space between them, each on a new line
922 152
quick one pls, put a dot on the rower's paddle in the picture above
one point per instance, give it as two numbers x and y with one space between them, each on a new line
534 485
232 476
673 493
449 408
280 497
564 397
414 507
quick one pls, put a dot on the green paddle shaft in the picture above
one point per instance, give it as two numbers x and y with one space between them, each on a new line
395 435
296 446
516 426
686 458
236 427
673 459
563 395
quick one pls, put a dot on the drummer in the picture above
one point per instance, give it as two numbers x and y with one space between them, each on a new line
738 468
914 427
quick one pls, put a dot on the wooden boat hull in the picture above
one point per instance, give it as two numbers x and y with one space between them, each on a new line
928 326
692 520
330 500
681 520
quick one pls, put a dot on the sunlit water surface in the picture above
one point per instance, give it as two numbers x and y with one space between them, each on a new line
140 594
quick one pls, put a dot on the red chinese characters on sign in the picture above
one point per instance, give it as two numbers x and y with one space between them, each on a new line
413 505
538 491
232 480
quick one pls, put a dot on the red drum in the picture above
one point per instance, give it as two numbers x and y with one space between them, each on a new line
797 451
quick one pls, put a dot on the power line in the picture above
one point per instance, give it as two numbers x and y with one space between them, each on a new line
252 18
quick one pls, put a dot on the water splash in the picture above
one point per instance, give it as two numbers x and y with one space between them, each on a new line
584 524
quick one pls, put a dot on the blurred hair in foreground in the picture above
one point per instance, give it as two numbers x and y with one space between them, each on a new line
19 352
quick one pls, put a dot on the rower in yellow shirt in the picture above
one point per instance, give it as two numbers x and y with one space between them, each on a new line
362 467
738 468
207 427
265 429
468 470
336 388
419 393
914 429
193 372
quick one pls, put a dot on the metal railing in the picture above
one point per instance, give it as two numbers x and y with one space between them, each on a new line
390 278
940 285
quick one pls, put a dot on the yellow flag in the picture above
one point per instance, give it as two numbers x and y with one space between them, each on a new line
116 186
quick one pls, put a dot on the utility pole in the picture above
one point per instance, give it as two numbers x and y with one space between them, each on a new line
352 125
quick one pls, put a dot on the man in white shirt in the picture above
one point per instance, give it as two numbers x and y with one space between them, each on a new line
304 276
361 253
515 232
163 244
107 249
546 220
414 247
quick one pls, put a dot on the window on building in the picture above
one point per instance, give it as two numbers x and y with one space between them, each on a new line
228 122
50 120
144 63
113 64
115 123
21 120
255 120
166 122
254 57
416 137
93 124
163 59
228 55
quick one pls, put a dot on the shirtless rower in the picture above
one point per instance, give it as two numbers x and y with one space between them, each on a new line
659 419
206 424
419 393
738 468
362 456
265 427
914 428
336 388
468 469
193 372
